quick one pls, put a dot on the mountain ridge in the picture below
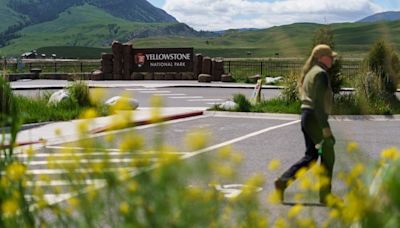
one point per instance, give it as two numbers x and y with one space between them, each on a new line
382 16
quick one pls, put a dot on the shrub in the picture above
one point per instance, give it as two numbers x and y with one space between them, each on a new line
325 35
79 91
243 103
291 92
383 63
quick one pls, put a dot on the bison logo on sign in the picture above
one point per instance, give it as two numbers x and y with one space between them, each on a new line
140 58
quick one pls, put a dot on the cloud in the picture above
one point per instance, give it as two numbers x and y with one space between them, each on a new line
225 14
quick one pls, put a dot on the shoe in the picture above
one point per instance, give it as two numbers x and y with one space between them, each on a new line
280 187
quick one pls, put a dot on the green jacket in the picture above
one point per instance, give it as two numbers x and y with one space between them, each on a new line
316 94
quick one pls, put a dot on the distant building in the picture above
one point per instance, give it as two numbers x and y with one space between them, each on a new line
29 55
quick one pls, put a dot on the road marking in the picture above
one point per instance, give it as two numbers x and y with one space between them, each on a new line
53 199
206 100
172 94
187 97
155 92
91 161
63 171
141 89
232 141
64 183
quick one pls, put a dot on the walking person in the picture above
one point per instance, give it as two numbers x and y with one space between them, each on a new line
316 101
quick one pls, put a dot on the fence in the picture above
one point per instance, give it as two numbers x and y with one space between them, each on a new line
242 69
70 66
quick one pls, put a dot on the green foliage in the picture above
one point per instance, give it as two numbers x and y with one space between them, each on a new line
79 91
382 64
291 92
9 115
243 103
325 35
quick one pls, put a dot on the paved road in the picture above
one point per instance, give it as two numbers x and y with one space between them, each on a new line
258 138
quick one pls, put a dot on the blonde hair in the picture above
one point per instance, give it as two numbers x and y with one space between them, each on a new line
311 61
318 51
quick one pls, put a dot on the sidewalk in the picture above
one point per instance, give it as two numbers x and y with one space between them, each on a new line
69 130
60 84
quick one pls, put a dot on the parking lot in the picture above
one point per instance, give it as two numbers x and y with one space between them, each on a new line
259 138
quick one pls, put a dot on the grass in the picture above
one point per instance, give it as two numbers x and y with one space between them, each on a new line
344 104
36 110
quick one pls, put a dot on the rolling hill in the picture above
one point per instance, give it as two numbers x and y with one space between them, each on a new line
384 16
295 40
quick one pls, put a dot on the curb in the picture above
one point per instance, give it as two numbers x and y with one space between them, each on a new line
6 146
109 128
147 122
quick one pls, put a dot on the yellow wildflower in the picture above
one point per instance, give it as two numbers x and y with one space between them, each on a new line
225 152
15 171
96 95
391 154
132 186
197 140
89 114
295 210
281 223
301 172
274 165
10 207
274 197
352 146
124 208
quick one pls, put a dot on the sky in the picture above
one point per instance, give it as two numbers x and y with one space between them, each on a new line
214 15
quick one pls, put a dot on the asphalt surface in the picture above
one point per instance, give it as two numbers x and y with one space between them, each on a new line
259 140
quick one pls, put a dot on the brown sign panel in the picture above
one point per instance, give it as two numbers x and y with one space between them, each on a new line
163 60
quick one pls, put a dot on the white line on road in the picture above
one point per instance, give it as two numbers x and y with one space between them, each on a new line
64 171
206 100
155 92
187 97
238 139
90 161
141 89
63 183
172 94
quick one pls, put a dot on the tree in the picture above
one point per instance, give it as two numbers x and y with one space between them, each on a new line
382 62
325 35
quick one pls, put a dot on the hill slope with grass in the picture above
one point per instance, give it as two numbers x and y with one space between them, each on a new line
295 40
85 25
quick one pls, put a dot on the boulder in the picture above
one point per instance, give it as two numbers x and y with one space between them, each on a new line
127 103
227 78
97 75
188 76
204 78
228 105
58 96
254 78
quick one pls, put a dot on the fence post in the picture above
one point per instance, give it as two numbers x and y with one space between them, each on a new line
261 69
229 66
55 67
81 67
30 67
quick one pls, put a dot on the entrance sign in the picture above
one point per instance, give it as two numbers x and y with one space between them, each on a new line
163 60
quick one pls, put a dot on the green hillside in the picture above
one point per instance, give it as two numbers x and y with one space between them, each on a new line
78 26
295 40
8 16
